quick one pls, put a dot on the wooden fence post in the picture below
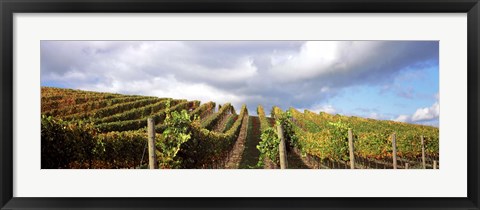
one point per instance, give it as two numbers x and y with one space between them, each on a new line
281 148
394 152
350 146
152 156
434 164
406 165
423 152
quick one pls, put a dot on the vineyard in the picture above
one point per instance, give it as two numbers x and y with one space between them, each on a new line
84 129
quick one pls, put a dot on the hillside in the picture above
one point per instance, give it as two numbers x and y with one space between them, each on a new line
84 129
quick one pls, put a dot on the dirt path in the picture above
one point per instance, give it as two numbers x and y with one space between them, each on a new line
206 114
295 161
235 156
251 154
245 154
220 126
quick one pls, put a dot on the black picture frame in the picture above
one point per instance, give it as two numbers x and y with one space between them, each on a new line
9 7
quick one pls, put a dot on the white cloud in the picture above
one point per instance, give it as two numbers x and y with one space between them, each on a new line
321 108
172 88
427 113
402 118
375 116
424 115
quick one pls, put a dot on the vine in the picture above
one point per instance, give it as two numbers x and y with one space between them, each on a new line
177 131
269 143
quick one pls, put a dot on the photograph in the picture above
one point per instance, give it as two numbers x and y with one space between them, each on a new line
240 104
269 104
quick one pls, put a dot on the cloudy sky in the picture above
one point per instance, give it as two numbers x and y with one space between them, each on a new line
390 80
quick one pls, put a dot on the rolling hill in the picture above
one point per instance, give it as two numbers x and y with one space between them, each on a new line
85 129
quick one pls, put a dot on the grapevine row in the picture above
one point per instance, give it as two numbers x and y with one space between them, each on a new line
111 110
201 109
208 147
212 120
140 123
324 136
137 113
57 100
264 124
92 105
78 145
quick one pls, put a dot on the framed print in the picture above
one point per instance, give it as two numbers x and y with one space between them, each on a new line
239 105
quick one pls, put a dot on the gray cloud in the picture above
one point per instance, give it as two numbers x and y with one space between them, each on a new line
286 73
